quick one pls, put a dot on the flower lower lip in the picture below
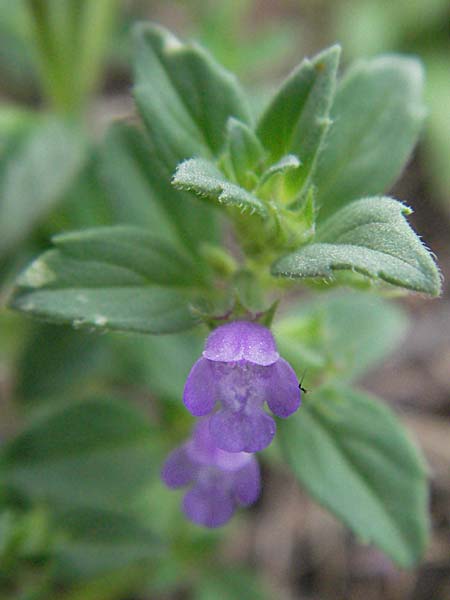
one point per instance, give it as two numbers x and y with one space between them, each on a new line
219 481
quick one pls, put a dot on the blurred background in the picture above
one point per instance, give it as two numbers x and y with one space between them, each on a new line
286 547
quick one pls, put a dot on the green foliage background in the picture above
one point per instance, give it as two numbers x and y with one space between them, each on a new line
90 417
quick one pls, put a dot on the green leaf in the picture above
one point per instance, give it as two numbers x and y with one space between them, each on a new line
370 237
96 454
128 170
342 334
110 278
58 362
282 166
86 204
297 118
202 177
15 123
377 115
139 185
94 542
130 247
244 154
36 178
124 308
18 63
184 96
355 458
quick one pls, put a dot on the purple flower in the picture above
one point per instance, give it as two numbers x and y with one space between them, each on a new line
241 370
220 481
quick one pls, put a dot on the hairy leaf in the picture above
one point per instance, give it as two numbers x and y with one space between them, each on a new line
184 96
354 458
297 118
110 278
370 237
244 154
139 184
377 115
202 177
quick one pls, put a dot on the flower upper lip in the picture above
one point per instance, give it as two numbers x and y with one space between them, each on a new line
241 340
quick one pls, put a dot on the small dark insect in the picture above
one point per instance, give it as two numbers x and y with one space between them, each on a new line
300 386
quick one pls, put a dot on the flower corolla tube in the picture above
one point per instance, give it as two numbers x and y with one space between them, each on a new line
219 481
239 372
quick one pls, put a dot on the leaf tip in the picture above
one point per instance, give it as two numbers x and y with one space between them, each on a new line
328 57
